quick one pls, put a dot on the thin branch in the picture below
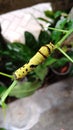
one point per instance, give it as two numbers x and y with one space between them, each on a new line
6 93
68 57
62 40
57 29
7 75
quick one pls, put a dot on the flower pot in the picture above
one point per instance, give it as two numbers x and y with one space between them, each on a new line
62 70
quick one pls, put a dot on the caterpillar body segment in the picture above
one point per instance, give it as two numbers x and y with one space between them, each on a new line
22 72
42 54
37 59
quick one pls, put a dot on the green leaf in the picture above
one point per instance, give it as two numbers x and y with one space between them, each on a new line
43 38
61 23
56 35
69 24
20 51
2 89
45 20
30 41
60 63
41 71
16 55
49 14
23 89
57 14
49 61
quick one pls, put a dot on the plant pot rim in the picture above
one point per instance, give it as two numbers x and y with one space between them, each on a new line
69 65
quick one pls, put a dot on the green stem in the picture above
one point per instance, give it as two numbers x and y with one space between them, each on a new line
62 40
65 54
57 29
6 93
7 75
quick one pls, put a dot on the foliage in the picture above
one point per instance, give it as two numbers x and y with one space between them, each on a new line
15 55
24 89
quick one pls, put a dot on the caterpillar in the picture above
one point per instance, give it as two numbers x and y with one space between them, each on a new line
37 59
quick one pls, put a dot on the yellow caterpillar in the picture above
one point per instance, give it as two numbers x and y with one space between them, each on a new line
38 58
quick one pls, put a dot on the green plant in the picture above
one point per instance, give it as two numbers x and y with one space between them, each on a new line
61 31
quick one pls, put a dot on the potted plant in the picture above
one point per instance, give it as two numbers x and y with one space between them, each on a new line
57 32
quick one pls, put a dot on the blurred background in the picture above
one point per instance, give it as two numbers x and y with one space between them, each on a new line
8 5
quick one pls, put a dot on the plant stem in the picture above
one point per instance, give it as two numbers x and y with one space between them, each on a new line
65 54
62 40
57 29
6 93
7 75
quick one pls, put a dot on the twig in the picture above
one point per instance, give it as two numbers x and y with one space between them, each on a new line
7 75
6 93
57 29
